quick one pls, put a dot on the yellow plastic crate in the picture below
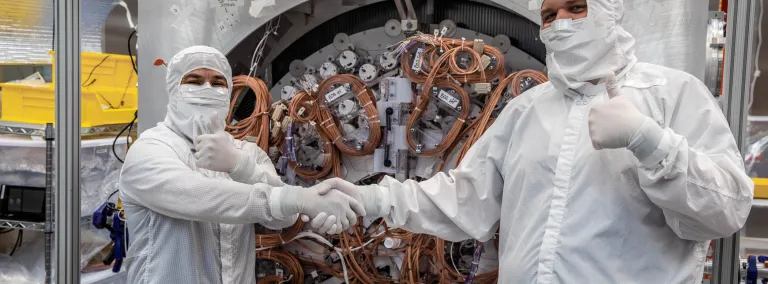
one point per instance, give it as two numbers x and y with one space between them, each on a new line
116 71
761 187
36 104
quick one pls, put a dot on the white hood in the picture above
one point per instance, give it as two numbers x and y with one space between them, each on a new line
179 119
600 46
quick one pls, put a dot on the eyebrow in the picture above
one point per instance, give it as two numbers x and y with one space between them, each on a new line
192 76
219 77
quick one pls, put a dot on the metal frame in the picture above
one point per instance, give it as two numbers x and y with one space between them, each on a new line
740 52
67 162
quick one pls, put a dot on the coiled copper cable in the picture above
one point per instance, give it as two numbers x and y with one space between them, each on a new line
257 124
305 103
366 99
277 239
418 111
287 260
303 107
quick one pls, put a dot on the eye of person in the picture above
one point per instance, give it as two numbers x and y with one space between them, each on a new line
220 84
549 17
578 9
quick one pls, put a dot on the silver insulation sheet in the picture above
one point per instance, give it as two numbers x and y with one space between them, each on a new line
26 29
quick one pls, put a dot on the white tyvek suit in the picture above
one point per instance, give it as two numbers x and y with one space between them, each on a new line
567 213
190 225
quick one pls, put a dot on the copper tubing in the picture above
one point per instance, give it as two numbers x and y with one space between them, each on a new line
366 98
257 124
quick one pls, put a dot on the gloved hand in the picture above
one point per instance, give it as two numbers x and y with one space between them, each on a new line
216 151
617 123
368 195
291 200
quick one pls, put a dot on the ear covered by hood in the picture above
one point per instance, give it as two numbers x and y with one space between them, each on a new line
185 114
601 46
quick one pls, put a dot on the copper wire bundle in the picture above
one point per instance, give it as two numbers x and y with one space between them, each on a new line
287 260
474 73
537 76
418 111
276 239
257 124
513 80
366 98
303 107
272 279
452 273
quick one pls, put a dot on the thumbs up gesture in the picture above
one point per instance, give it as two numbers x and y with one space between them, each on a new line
615 123
216 150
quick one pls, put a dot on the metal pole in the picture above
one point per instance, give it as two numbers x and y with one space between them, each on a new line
739 69
67 47
49 137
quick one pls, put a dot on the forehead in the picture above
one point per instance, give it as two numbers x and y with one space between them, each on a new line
560 3
205 72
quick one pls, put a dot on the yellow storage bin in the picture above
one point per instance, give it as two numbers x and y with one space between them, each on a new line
109 70
36 104
761 187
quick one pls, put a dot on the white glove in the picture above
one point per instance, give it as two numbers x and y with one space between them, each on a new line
217 151
617 123
368 195
290 200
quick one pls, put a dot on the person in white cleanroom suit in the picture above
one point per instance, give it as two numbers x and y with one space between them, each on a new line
583 187
191 192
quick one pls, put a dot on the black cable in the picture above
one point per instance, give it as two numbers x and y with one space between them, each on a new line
130 52
94 69
19 238
130 125
4 231
112 194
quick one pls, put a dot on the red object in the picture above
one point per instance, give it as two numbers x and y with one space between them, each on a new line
159 62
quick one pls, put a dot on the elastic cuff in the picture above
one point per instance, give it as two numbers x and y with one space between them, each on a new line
652 157
276 203
375 197
241 166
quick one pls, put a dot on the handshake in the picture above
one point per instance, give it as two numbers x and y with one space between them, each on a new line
330 207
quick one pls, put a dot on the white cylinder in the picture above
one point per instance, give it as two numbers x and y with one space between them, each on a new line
392 243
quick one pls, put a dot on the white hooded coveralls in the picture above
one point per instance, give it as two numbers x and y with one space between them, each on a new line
567 213
190 225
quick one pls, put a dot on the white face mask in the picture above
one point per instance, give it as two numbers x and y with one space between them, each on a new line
586 49
562 29
196 107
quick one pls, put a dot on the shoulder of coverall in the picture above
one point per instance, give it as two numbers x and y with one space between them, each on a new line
646 75
163 136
